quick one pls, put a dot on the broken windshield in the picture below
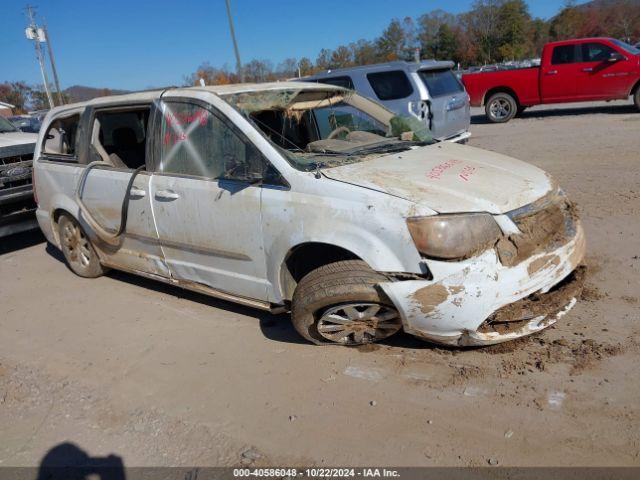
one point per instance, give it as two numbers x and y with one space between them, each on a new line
321 128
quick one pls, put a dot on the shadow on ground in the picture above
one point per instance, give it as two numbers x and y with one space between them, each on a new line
19 241
67 461
481 119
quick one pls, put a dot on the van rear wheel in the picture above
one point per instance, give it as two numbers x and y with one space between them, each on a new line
339 303
80 255
501 107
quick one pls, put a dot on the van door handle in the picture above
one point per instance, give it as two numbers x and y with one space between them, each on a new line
587 69
552 72
137 192
167 195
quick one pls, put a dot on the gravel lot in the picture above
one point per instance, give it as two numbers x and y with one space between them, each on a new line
159 376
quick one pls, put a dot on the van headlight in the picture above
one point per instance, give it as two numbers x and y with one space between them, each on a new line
453 236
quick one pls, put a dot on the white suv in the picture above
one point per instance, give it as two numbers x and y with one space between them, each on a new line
313 199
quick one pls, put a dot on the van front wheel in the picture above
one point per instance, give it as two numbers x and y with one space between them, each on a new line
77 249
339 303
501 107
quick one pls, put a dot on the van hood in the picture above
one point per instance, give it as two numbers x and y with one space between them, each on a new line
10 139
450 178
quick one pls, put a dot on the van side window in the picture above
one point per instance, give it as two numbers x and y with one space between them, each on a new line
344 81
564 54
196 142
596 52
60 138
390 85
119 137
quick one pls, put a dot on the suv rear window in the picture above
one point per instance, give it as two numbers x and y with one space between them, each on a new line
390 85
343 81
440 82
564 54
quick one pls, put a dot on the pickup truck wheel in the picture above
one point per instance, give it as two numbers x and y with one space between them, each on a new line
338 303
501 107
77 249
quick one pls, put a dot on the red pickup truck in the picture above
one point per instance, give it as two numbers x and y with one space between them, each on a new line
581 70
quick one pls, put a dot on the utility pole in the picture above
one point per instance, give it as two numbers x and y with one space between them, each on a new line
235 44
34 34
53 64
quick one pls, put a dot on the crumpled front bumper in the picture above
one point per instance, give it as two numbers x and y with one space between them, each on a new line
452 309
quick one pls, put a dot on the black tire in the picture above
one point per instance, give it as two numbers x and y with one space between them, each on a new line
348 284
76 247
636 98
501 107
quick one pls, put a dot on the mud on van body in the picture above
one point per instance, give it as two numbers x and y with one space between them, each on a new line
312 199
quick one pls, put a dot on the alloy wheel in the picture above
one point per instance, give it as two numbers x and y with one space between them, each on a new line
359 323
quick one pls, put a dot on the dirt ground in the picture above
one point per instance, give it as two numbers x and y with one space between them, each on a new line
159 376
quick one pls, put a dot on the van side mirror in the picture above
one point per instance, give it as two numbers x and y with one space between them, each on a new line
615 57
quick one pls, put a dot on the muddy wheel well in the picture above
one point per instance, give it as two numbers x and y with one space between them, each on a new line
487 95
55 217
306 257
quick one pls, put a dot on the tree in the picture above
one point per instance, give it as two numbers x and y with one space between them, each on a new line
515 32
567 23
287 68
305 66
17 94
364 52
341 57
323 62
483 23
258 70
446 45
392 43
428 28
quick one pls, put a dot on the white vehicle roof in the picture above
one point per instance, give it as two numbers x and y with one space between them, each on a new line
221 90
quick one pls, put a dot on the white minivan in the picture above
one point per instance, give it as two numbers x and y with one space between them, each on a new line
312 199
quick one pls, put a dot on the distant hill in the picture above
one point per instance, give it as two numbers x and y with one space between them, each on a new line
80 93
607 3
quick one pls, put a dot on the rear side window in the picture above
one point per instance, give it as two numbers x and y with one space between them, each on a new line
564 54
121 138
440 82
390 85
344 81
60 138
596 52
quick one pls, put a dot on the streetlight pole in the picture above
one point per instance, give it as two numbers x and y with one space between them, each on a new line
53 64
235 43
35 37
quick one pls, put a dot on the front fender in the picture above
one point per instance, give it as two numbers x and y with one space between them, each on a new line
373 231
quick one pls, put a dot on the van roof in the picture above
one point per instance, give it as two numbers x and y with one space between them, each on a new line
395 65
222 90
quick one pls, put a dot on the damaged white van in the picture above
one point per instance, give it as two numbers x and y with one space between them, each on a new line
312 199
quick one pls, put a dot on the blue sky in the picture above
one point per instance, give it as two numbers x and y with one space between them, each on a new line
136 44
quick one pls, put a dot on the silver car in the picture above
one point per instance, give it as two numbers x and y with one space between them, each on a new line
428 90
